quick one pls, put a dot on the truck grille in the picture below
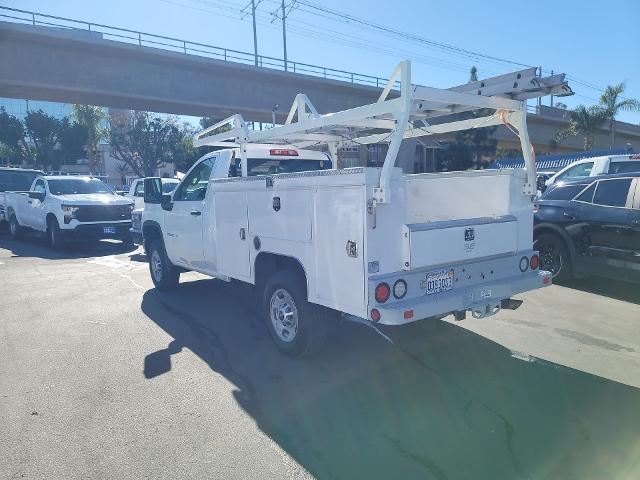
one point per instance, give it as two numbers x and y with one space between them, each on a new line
103 213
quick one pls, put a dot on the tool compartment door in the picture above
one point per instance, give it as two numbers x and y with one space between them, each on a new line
446 242
232 236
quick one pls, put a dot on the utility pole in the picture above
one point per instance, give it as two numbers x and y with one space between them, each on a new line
255 34
284 36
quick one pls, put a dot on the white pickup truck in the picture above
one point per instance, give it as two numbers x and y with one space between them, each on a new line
594 166
371 244
69 207
136 190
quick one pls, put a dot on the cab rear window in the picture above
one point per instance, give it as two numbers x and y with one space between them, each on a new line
274 166
16 180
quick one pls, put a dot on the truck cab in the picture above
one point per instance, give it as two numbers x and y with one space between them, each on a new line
595 166
181 217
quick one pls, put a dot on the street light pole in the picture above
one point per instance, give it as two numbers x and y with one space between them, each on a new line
284 35
255 35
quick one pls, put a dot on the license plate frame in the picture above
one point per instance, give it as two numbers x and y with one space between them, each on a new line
109 230
438 281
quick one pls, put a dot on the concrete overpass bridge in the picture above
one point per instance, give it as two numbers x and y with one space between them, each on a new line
73 62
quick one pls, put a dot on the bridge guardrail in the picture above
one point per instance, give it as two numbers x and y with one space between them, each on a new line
185 46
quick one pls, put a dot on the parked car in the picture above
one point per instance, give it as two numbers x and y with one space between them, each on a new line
14 179
590 227
137 188
592 167
69 207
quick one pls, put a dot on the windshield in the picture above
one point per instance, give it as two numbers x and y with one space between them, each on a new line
81 186
16 180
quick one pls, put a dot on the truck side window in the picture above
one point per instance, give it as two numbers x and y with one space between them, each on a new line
194 186
579 171
39 187
139 192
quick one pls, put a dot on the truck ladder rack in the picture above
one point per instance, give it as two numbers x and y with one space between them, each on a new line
399 115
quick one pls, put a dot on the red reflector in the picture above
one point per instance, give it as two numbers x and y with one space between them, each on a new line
408 314
534 262
283 151
382 292
375 315
546 281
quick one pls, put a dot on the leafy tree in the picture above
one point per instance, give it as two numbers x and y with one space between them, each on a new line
11 137
43 129
73 138
92 118
147 142
611 103
454 156
480 140
206 122
583 121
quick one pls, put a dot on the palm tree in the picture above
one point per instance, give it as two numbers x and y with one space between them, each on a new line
612 105
583 121
92 118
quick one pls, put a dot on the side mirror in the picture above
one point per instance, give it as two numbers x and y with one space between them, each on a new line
166 202
152 190
37 195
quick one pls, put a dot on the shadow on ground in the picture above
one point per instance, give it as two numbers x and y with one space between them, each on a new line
34 245
616 289
438 403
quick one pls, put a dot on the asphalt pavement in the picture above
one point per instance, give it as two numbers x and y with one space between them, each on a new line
102 376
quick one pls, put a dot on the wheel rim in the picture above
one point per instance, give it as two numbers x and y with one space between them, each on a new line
52 235
12 226
284 315
551 259
156 265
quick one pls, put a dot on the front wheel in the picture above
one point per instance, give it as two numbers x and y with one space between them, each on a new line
297 327
54 236
554 256
164 274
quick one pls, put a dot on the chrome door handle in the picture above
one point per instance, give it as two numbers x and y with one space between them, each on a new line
195 212
243 234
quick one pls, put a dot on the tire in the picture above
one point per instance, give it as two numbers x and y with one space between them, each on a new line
54 236
15 230
304 332
554 256
164 274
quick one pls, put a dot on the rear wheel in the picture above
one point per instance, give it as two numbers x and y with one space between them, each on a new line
15 229
54 237
297 327
164 274
554 256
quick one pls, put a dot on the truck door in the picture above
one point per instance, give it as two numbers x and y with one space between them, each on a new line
34 214
183 223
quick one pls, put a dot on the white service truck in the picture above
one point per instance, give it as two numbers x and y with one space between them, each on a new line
69 207
371 244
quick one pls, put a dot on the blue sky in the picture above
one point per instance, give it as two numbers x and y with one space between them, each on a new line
593 44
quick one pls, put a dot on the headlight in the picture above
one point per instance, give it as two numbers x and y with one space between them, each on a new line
131 206
69 208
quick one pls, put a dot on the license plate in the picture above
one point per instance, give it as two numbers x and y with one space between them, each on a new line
109 230
438 281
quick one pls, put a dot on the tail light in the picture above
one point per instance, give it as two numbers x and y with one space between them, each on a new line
534 262
375 315
382 292
283 152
